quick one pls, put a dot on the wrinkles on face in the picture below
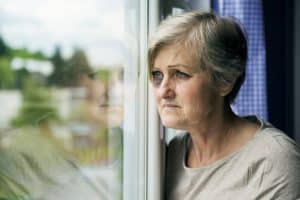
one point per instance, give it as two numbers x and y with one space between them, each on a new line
183 94
201 101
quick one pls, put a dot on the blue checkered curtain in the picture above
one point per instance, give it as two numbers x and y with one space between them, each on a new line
252 98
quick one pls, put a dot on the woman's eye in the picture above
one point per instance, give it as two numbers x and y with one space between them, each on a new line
181 75
157 77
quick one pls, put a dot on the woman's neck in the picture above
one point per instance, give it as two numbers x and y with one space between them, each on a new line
217 137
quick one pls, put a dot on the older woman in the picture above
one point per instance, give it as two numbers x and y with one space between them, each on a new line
197 63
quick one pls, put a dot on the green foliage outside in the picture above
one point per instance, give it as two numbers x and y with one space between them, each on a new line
37 108
6 73
26 54
76 68
27 163
14 79
39 111
69 72
11 190
66 72
21 75
58 74
7 76
101 74
4 49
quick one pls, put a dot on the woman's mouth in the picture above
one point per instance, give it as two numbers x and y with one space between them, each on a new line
170 105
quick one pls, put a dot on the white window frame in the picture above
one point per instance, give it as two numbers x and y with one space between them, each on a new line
156 145
142 166
144 142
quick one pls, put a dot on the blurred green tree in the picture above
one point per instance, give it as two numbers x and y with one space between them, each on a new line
58 75
4 49
26 54
7 76
37 108
21 75
77 67
69 73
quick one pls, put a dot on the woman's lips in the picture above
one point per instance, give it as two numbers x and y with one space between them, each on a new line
169 105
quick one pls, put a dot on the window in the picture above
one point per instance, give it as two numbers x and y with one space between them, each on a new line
73 90
78 119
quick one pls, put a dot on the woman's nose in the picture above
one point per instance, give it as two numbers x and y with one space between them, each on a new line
166 89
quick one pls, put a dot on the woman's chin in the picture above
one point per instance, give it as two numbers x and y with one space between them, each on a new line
172 122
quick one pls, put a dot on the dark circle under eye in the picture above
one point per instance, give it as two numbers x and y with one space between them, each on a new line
157 77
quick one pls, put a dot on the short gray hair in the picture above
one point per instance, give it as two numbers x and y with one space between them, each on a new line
217 44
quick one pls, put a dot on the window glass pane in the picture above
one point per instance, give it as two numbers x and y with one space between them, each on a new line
61 96
135 100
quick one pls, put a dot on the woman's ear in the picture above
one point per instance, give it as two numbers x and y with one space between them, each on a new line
225 90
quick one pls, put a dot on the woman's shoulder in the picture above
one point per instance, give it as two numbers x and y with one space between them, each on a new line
281 153
272 142
276 144
276 159
282 164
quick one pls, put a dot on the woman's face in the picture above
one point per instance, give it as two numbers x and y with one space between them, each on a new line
184 94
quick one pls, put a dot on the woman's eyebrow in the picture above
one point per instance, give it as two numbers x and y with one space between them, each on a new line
155 68
173 66
187 68
178 65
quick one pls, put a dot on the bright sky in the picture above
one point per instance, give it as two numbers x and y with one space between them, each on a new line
95 25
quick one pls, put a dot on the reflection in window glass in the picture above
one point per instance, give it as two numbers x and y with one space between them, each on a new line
61 97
